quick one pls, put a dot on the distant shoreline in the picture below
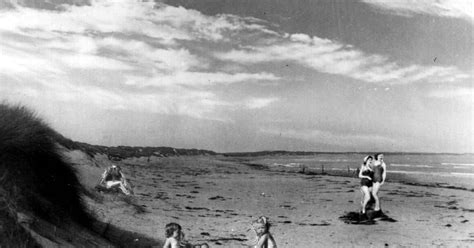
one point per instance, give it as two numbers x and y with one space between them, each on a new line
395 177
122 152
303 153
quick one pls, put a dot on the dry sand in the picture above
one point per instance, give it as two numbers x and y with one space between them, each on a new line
215 199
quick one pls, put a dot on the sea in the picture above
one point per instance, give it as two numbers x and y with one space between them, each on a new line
436 169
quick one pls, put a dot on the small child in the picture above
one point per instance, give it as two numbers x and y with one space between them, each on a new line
175 238
173 235
261 226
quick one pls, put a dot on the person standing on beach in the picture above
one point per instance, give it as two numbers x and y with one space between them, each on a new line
365 174
380 172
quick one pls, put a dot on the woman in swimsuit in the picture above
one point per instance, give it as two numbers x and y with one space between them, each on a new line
380 172
365 174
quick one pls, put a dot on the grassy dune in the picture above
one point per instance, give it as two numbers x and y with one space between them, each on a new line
42 200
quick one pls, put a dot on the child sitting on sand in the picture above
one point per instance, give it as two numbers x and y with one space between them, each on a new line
261 226
175 238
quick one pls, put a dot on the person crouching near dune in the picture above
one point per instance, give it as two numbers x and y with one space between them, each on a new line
113 177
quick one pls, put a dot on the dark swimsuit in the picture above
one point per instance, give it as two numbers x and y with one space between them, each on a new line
365 181
378 172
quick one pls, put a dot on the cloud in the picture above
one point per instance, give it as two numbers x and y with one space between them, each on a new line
256 103
121 55
172 101
462 9
464 94
199 79
154 20
332 57
162 59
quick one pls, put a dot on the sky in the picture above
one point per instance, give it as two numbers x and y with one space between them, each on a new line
244 75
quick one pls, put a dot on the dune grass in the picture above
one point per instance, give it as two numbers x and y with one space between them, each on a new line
34 176
36 181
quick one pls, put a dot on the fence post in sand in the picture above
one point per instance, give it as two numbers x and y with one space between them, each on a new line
322 169
302 169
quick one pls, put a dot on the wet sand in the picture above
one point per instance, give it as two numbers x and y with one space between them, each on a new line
215 199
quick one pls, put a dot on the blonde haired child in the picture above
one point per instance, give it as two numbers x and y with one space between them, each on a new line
261 226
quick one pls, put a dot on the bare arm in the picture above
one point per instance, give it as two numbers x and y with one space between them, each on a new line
271 242
262 241
122 178
103 176
167 244
384 174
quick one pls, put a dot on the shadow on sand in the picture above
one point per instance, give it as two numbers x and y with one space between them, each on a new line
124 238
370 218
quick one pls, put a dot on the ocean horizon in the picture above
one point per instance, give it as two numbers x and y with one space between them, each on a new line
452 169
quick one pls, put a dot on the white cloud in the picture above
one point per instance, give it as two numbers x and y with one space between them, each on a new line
158 21
84 61
134 55
256 103
444 8
106 53
464 94
174 100
199 79
334 58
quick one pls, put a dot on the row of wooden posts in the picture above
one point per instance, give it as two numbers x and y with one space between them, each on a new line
303 169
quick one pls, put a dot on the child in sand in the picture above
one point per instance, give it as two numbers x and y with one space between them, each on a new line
261 226
175 238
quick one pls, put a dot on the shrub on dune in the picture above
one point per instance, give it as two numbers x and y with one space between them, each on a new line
34 177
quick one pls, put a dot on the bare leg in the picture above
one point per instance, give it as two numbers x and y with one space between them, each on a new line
365 197
110 184
375 192
119 184
124 188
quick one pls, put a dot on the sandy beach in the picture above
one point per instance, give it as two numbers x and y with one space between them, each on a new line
221 112
215 198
